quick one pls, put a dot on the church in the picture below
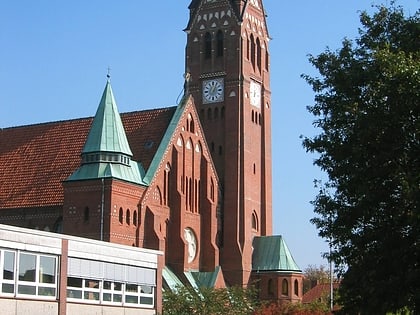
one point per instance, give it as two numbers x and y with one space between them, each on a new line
193 181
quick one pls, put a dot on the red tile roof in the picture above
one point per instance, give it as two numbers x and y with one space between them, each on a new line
320 291
35 159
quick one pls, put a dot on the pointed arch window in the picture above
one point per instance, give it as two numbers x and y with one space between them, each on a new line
127 217
211 189
207 45
121 216
220 47
267 61
135 218
248 47
296 287
252 52
192 125
166 183
190 195
285 287
254 221
259 55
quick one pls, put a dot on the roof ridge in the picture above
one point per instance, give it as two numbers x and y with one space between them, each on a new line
60 121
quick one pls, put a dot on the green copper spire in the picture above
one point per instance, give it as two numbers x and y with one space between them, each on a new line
107 132
106 153
272 254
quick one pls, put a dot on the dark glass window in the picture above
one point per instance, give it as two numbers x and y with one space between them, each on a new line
207 45
259 57
135 217
127 217
121 216
220 46
252 50
86 214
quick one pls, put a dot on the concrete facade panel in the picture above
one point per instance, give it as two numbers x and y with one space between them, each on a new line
23 307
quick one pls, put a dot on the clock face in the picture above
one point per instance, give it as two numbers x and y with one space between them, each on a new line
255 94
213 91
191 243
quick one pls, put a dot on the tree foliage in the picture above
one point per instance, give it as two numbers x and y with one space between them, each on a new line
293 309
209 301
231 301
314 275
367 109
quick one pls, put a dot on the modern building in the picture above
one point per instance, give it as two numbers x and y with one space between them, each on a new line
48 273
192 181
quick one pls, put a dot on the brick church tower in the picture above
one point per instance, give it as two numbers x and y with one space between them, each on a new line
227 64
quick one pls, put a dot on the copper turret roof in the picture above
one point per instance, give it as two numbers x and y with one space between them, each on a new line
272 254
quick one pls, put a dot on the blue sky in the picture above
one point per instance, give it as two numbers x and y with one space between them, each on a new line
54 57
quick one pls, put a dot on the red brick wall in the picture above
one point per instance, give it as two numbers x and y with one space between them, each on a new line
270 285
88 203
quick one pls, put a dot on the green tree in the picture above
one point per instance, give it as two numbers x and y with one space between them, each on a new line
209 301
367 109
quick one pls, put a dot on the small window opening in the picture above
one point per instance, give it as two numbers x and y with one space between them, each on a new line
270 287
219 38
127 217
86 214
207 45
252 51
135 218
121 216
266 59
285 287
254 221
259 57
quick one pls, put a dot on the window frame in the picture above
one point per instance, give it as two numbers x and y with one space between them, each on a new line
45 290
4 281
84 289
139 294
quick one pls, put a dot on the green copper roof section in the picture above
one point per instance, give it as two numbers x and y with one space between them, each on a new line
171 280
272 254
107 131
134 172
165 141
199 279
